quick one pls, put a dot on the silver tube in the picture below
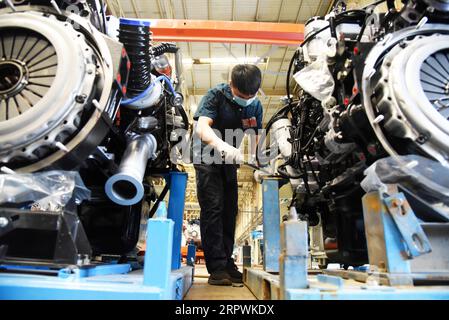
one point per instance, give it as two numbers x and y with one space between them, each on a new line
179 70
125 187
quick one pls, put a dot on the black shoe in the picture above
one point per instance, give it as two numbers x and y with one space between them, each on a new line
236 275
220 278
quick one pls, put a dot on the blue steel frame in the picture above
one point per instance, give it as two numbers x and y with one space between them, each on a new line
293 282
293 260
271 224
176 202
157 281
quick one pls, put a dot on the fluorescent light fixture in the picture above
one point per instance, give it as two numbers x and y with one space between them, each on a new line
225 61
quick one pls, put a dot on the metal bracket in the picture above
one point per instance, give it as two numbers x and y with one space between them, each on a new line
409 227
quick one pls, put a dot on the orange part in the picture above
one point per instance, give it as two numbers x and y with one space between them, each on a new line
173 30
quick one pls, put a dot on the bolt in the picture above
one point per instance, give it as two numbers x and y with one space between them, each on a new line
81 98
6 170
422 22
55 6
378 119
3 222
61 147
96 104
397 202
422 139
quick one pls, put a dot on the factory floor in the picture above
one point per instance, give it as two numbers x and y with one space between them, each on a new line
201 290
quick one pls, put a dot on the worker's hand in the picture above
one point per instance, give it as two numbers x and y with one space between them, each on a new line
253 160
229 153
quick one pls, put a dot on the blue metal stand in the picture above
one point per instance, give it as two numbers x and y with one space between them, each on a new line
394 236
293 260
158 259
176 202
117 282
271 225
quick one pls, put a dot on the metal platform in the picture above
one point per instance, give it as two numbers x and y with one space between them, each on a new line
129 286
162 276
266 286
408 259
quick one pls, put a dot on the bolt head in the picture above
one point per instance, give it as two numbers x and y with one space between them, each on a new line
397 203
3 222
81 98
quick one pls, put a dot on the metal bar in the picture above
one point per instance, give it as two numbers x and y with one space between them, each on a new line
280 68
210 49
271 225
189 45
158 256
293 260
386 249
257 10
227 31
178 184
136 11
408 225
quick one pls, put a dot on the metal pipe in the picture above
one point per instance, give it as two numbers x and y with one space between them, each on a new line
125 187
179 70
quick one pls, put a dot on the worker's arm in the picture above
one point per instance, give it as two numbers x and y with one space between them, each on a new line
206 133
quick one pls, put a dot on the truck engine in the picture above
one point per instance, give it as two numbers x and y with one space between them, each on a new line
370 87
83 96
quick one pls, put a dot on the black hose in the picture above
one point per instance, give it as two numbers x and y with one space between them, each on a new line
284 174
184 116
136 39
391 5
164 48
290 66
310 139
333 27
159 200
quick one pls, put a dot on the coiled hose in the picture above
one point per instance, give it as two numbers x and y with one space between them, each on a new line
136 37
164 48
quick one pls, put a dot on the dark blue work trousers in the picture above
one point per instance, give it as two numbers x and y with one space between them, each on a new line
217 192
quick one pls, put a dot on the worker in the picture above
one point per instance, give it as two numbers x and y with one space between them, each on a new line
232 106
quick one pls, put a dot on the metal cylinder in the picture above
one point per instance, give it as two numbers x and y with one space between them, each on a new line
125 187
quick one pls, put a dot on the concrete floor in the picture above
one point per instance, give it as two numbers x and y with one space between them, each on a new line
201 290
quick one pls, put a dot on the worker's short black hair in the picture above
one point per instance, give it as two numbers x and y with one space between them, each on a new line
246 78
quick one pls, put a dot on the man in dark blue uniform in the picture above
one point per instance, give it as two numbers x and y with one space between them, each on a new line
226 107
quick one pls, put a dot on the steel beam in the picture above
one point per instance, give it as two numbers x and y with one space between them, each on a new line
176 30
